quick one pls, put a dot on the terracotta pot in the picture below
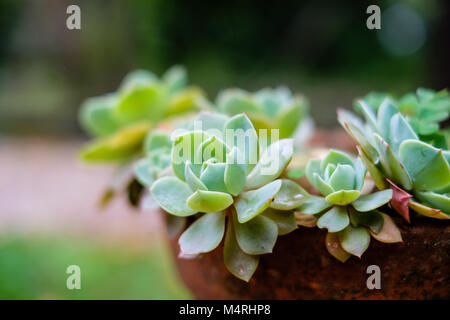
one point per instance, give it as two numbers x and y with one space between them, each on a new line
301 268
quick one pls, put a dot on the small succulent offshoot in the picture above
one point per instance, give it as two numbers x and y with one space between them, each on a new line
349 216
267 108
222 182
120 121
425 110
417 172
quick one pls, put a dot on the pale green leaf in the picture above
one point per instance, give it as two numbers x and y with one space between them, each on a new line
342 197
171 195
290 196
285 220
354 240
251 203
372 201
257 236
209 201
336 219
204 235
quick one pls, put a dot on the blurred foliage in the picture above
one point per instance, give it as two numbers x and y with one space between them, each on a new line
321 48
35 268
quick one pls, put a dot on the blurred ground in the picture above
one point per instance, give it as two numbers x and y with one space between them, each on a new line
49 219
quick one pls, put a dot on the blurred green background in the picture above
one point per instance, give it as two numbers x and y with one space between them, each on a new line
320 48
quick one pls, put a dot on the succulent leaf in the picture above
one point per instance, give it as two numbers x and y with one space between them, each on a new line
372 219
427 211
335 220
389 233
354 240
372 201
334 247
342 197
343 178
235 172
204 235
251 203
240 264
192 180
209 201
427 165
184 148
171 195
257 236
314 205
285 220
290 196
213 176
271 163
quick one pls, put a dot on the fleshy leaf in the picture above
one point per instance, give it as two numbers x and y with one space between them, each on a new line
272 162
212 148
235 173
209 201
204 235
97 117
392 166
210 121
157 140
385 113
305 220
184 148
322 185
251 203
121 145
343 178
427 211
171 195
142 102
213 177
312 169
400 131
354 240
389 233
314 205
335 157
375 173
342 197
400 200
192 180
288 119
285 220
257 236
240 132
373 219
334 247
426 164
336 219
372 201
360 173
435 200
239 263
290 196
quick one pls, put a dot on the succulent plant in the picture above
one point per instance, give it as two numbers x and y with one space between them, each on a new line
349 216
424 110
417 172
120 121
267 108
224 174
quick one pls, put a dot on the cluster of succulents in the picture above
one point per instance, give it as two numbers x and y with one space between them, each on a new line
214 169
396 157
267 108
424 110
349 216
226 182
120 121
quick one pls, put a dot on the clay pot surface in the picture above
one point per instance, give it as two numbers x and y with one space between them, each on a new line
301 268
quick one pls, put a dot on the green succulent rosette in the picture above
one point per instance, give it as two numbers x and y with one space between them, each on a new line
396 157
120 121
350 217
425 110
233 194
267 108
